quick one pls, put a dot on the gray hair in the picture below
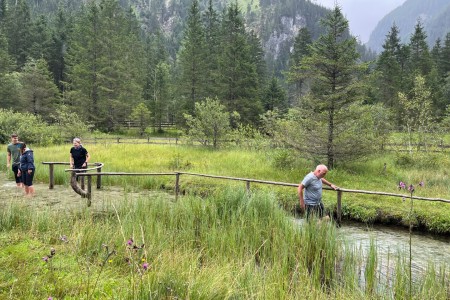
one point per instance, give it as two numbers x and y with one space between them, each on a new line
78 140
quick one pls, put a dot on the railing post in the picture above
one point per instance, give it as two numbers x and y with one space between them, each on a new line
248 186
89 190
339 207
51 176
99 179
81 182
118 140
177 185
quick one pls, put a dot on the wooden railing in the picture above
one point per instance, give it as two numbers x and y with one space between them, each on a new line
88 193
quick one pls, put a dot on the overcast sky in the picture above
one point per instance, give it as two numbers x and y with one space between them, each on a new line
363 15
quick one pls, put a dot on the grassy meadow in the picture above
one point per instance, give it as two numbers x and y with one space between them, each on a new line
228 245
278 165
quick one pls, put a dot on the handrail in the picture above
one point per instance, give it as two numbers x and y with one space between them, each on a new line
88 193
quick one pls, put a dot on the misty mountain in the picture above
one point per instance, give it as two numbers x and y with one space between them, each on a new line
434 15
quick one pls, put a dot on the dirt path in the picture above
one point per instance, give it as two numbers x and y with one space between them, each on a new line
63 198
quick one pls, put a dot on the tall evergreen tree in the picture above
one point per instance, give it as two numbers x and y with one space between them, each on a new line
275 97
39 93
301 49
238 77
192 59
212 42
18 29
333 69
104 70
390 69
420 59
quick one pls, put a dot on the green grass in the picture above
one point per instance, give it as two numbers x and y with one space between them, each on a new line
231 245
277 165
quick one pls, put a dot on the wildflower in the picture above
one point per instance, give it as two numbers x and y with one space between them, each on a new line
52 251
411 188
50 298
143 259
130 242
64 238
145 266
403 199
421 183
45 258
401 185
110 261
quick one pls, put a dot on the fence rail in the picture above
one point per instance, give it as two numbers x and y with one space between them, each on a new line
88 193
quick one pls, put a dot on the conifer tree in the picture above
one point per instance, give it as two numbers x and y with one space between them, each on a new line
420 59
275 97
212 43
192 59
238 79
39 93
390 69
18 29
301 49
333 69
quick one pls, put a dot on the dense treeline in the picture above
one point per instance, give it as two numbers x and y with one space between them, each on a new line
103 65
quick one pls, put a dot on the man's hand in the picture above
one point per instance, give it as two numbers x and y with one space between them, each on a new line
30 171
334 187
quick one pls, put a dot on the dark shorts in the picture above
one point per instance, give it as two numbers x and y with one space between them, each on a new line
15 169
27 179
315 211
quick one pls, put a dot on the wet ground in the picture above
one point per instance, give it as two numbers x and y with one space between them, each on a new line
62 197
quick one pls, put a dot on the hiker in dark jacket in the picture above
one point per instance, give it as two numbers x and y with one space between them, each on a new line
26 169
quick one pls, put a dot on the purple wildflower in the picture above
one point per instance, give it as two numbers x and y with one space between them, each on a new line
130 242
421 183
52 251
145 266
45 258
64 238
50 298
401 185
411 188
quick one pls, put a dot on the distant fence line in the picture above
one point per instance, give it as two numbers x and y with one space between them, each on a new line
395 147
87 193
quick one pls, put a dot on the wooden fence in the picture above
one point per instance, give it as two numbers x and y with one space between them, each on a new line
88 193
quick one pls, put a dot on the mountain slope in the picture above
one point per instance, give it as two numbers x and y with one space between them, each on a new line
434 15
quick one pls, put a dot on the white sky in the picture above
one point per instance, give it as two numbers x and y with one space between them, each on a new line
362 15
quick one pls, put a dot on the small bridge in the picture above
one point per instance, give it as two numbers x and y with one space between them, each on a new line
86 192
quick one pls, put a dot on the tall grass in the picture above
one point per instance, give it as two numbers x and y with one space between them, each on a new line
231 245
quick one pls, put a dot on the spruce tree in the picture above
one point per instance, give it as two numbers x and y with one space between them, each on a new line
192 59
301 49
238 81
39 93
333 69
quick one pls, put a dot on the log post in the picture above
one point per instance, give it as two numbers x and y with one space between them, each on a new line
51 178
339 207
99 179
89 190
177 185
248 186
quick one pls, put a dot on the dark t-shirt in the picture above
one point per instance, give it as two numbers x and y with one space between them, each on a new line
79 156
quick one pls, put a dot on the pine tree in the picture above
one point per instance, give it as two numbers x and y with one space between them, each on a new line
238 79
212 43
301 49
390 69
192 59
420 59
333 70
39 94
18 29
105 63
275 97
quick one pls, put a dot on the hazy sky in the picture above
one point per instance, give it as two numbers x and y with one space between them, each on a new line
363 15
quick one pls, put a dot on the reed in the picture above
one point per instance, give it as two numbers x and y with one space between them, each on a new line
230 245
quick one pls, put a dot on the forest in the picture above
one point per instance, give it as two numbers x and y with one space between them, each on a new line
93 65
